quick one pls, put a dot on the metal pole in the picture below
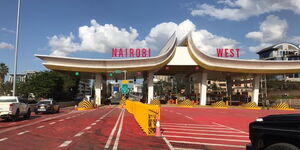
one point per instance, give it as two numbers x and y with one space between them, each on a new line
16 48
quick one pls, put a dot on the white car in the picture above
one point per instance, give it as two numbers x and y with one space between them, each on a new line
12 107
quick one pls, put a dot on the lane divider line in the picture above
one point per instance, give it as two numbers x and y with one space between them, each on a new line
89 127
189 117
39 127
61 120
190 133
115 147
52 123
220 131
3 139
93 124
79 134
189 127
30 124
211 144
21 133
206 138
66 143
113 131
230 128
168 143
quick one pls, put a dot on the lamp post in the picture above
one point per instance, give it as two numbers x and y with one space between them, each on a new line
16 48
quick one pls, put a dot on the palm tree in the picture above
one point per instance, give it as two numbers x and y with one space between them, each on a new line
3 72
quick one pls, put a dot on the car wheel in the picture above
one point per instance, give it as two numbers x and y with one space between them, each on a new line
282 146
28 114
16 116
36 112
58 110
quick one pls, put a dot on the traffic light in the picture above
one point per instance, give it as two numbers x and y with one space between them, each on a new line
110 74
76 73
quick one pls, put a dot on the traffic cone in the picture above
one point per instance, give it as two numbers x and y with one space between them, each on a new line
157 129
75 107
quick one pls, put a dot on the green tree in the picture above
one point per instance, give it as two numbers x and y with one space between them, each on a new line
3 72
49 84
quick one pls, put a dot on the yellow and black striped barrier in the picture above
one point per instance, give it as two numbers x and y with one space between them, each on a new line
155 102
85 105
282 106
219 104
250 105
186 103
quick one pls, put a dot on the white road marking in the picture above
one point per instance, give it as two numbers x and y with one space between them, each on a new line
230 128
3 139
79 134
119 132
179 113
61 120
12 123
211 144
197 125
189 127
30 124
66 143
97 120
68 118
93 124
168 143
191 133
52 123
203 130
40 127
205 138
189 117
113 131
23 132
89 127
178 148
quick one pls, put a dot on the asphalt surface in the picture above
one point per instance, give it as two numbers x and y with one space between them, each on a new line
111 127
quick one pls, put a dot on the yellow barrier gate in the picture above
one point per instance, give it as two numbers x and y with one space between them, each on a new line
146 115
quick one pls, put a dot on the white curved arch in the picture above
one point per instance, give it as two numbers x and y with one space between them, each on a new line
237 65
107 65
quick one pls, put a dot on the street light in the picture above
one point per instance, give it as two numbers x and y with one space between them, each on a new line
16 48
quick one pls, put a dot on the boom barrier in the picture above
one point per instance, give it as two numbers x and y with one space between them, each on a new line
146 115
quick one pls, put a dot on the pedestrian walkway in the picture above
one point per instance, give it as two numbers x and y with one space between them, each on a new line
203 136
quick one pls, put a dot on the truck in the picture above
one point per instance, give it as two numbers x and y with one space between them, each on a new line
275 132
12 107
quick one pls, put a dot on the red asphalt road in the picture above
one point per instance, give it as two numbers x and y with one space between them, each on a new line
108 127
77 130
208 128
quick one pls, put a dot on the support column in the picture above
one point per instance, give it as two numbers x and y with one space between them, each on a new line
255 92
98 88
150 87
203 95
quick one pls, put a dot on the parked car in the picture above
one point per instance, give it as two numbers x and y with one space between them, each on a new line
47 106
275 132
12 107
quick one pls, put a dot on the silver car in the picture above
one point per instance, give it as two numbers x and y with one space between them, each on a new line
47 106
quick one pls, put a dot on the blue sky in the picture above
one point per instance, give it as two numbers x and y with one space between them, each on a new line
90 28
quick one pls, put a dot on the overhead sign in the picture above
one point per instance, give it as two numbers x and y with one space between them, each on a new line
130 52
118 71
124 81
125 89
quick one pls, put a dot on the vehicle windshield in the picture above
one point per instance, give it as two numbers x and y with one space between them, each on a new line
8 100
44 102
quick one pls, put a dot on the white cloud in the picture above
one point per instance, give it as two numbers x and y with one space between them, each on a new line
4 45
101 38
8 30
295 39
208 42
272 30
242 9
